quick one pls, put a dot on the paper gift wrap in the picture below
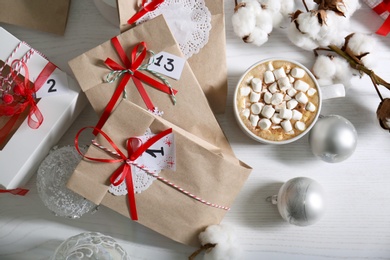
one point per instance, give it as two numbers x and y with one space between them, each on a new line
209 65
191 112
27 147
202 170
43 15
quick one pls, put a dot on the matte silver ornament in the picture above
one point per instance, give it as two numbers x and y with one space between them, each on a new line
333 138
300 201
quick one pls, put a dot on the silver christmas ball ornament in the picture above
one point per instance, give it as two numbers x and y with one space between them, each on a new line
300 201
333 138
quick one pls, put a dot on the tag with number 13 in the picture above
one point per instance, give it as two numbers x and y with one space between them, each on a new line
167 64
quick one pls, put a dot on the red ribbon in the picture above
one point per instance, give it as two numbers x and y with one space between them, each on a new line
380 9
135 148
145 8
131 71
18 191
27 92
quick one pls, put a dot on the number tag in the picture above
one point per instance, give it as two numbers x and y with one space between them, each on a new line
56 84
167 64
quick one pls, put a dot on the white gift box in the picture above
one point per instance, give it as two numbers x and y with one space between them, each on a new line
22 154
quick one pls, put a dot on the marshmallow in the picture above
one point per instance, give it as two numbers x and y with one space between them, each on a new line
267 111
256 108
296 115
287 126
300 85
269 66
280 106
254 97
273 88
299 125
297 73
277 98
291 104
267 97
256 84
254 119
249 79
264 123
279 73
244 91
301 98
245 112
269 77
310 107
284 84
291 78
291 92
285 113
311 91
287 97
276 119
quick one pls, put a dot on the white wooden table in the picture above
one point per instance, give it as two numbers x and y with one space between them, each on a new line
357 222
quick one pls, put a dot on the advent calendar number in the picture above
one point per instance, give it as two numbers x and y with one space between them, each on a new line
168 65
51 88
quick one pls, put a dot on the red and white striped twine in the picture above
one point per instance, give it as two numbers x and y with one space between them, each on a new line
24 59
162 179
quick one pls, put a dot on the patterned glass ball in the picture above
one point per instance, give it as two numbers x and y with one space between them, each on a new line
91 246
53 174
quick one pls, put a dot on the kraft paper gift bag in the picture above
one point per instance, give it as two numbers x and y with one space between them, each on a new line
209 64
185 199
191 111
43 15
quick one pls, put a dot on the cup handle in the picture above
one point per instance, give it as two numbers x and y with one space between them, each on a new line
332 91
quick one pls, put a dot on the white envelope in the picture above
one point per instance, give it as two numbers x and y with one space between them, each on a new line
21 156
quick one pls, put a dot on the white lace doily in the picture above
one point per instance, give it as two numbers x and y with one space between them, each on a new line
189 21
141 182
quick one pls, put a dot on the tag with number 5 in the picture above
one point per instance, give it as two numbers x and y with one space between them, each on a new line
56 84
167 64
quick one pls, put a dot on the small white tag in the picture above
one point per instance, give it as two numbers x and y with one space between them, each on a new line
167 64
56 84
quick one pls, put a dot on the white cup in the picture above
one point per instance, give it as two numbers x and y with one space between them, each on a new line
323 92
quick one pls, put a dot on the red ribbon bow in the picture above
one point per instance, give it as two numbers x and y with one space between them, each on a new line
27 92
130 70
145 8
380 9
18 191
135 148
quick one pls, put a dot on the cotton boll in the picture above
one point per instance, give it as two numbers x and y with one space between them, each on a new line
258 37
331 31
244 21
287 7
217 234
369 61
324 68
301 40
361 43
264 21
343 73
308 23
226 245
277 19
254 6
350 7
272 5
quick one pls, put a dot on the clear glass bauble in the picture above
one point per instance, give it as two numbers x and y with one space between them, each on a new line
91 246
53 174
